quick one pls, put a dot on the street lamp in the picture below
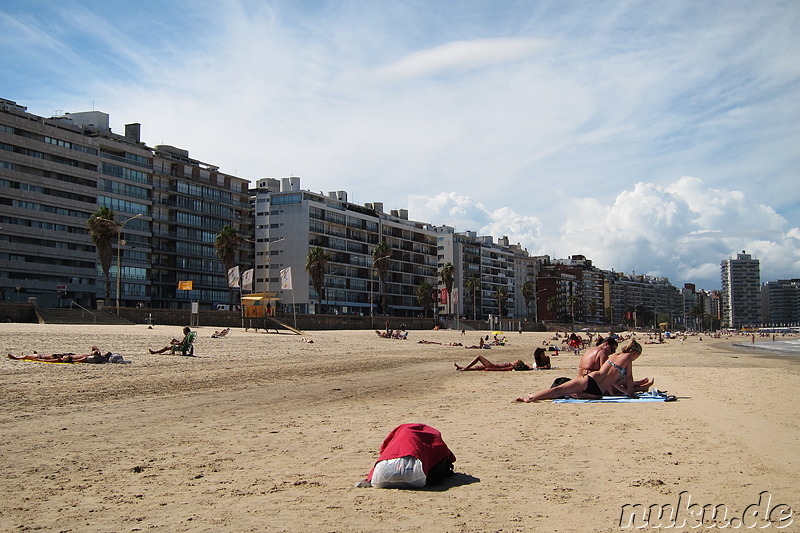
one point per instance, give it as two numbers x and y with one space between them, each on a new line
120 242
536 304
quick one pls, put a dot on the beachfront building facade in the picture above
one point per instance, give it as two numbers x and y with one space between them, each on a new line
741 298
701 309
488 276
56 172
642 301
780 301
289 222
192 202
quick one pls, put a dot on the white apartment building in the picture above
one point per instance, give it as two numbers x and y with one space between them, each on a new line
741 299
494 264
290 221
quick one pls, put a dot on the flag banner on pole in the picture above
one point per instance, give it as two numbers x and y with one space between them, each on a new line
247 280
454 296
233 277
443 297
184 285
286 278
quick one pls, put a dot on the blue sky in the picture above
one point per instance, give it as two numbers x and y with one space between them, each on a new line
652 137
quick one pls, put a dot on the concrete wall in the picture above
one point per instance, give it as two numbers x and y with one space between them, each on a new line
22 313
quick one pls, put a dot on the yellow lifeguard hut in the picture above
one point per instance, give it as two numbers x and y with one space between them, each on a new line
258 311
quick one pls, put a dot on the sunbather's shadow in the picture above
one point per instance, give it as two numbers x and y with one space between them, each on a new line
458 479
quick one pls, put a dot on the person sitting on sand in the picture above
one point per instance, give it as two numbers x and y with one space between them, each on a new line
174 342
488 366
615 373
594 357
218 334
541 358
479 346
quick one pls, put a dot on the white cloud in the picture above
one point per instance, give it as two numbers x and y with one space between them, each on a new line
460 56
681 231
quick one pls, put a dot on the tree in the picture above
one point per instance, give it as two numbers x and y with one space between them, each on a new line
528 293
592 309
102 229
552 304
571 301
426 296
316 263
226 243
446 275
502 299
473 285
381 255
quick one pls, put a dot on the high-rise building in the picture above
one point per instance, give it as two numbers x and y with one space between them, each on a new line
486 274
192 202
56 172
781 302
289 222
741 299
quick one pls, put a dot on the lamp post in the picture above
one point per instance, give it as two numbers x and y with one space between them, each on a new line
120 242
536 304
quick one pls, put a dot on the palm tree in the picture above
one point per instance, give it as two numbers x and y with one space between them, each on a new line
502 298
609 315
592 309
571 301
426 296
316 263
528 292
381 255
102 229
552 303
226 243
473 284
446 275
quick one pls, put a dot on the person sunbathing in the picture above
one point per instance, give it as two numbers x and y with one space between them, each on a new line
488 366
218 334
174 342
591 386
58 357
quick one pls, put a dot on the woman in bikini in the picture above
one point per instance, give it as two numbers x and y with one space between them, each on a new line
488 366
614 372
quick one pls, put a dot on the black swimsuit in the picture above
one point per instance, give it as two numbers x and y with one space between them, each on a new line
592 388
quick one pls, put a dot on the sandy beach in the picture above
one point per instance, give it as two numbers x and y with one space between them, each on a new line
263 432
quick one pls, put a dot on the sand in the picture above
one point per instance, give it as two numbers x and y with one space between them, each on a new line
262 432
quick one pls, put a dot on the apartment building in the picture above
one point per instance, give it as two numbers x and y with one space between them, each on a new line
741 298
56 172
290 221
781 302
192 202
643 301
495 267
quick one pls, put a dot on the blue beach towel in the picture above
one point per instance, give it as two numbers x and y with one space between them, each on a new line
651 396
